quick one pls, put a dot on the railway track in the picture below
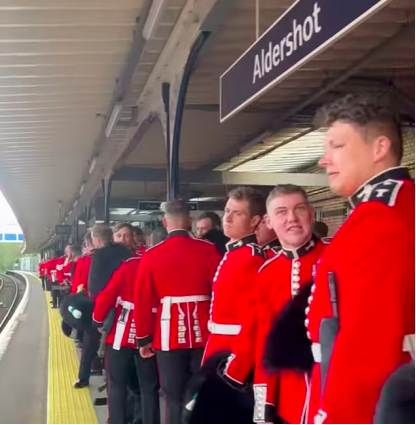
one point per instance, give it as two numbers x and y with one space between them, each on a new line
11 293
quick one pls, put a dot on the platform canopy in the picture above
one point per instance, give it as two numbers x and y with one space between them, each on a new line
61 69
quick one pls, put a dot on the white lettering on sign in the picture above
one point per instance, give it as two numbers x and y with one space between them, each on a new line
265 61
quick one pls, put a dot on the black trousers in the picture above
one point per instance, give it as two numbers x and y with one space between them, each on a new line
56 296
43 280
120 365
178 369
91 344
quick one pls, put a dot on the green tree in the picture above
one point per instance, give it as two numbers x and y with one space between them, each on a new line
8 254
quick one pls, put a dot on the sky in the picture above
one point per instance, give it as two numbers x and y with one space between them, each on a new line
6 214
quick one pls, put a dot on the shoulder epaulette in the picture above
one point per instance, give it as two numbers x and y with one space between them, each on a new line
386 191
256 250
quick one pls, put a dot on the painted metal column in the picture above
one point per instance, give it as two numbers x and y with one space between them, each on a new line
173 190
166 105
106 185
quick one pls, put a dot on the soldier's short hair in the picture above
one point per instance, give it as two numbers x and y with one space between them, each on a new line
367 111
103 232
320 229
254 197
177 208
158 235
138 231
214 217
76 250
286 189
88 238
122 225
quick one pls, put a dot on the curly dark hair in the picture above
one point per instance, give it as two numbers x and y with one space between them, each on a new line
375 111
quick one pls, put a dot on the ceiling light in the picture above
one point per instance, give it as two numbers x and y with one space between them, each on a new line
152 18
113 118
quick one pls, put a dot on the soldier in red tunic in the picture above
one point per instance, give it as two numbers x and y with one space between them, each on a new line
361 317
121 348
80 280
175 281
283 394
236 275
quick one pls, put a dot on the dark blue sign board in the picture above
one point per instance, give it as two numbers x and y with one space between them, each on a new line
303 31
63 229
155 206
149 206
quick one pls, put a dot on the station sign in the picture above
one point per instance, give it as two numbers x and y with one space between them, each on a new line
63 229
155 206
303 31
149 206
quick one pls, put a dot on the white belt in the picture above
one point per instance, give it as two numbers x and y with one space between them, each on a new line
408 346
122 322
221 329
125 304
165 316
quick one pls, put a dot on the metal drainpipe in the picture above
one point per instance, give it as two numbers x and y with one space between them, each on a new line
189 67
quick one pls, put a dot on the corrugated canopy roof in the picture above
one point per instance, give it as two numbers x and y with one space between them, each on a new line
58 64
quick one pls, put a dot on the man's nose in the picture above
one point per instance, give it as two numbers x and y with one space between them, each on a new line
291 216
324 160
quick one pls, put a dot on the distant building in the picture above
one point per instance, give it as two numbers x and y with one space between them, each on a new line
11 233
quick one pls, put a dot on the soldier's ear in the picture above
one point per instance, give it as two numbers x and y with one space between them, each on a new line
268 222
381 148
255 221
164 222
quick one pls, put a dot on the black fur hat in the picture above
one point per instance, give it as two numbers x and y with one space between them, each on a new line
287 346
396 404
216 401
76 305
66 329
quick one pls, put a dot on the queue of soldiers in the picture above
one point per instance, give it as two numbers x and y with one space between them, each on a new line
258 319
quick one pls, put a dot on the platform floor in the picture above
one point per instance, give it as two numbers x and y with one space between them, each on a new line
38 369
24 365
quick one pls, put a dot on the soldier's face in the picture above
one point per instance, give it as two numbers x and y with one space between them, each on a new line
348 158
124 236
237 220
291 218
264 233
203 226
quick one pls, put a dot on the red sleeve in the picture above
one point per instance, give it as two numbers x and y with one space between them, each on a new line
241 360
376 282
107 298
76 281
66 271
145 301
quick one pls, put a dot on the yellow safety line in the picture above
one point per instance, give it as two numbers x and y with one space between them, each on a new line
66 405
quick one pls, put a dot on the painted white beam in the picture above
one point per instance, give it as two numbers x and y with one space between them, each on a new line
272 179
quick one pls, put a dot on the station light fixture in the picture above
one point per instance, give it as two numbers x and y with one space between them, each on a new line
75 203
82 188
92 164
113 118
152 18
